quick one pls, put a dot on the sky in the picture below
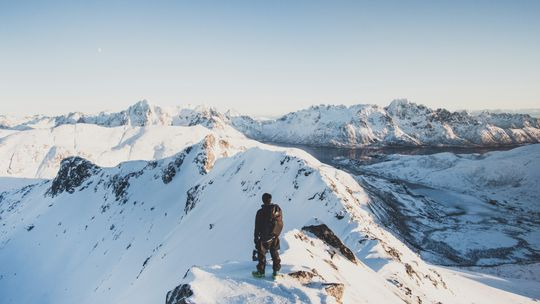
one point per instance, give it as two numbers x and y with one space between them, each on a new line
267 57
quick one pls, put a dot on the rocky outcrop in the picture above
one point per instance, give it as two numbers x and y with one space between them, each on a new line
330 238
314 280
72 173
206 157
303 276
179 295
174 166
335 290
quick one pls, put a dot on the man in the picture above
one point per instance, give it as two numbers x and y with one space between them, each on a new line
268 226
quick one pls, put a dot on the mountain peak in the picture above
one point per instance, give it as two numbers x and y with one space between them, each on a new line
399 103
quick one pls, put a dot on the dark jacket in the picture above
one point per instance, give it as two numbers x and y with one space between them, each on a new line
268 223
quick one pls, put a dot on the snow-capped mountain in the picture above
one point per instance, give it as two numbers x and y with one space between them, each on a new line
400 123
534 112
133 233
33 148
37 153
156 204
140 114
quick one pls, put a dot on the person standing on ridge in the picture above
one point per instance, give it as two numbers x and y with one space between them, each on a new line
268 226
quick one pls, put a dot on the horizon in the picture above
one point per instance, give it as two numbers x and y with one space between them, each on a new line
268 58
268 116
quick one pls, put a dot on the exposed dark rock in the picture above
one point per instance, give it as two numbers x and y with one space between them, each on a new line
170 172
329 262
193 197
320 195
328 236
301 172
393 253
286 159
206 158
179 295
340 215
145 263
306 278
120 184
410 271
303 276
151 165
72 173
492 202
335 290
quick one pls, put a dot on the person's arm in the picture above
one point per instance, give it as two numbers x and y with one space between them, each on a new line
256 234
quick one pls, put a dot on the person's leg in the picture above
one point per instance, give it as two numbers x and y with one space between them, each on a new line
261 254
274 252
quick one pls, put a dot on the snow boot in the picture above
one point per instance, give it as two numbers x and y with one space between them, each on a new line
257 274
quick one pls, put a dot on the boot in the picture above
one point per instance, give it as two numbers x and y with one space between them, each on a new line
257 274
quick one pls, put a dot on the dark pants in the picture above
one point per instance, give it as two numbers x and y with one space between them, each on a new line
273 247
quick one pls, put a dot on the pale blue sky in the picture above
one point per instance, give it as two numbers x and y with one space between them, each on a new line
267 57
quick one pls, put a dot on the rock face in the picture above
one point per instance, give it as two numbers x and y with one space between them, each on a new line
303 276
326 235
335 290
179 295
307 278
73 172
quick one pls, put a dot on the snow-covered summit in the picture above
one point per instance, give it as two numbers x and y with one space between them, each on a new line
139 114
37 153
400 123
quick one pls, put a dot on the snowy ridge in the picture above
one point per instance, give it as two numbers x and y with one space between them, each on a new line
139 114
400 123
132 231
37 153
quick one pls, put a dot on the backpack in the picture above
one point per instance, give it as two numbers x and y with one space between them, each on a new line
276 220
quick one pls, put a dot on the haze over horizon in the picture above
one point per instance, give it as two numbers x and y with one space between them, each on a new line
267 58
535 112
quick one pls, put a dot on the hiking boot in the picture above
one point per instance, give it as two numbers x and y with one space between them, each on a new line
257 274
275 274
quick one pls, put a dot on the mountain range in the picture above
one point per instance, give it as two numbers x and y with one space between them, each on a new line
153 205
401 123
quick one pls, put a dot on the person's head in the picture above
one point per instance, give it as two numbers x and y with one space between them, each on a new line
266 198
